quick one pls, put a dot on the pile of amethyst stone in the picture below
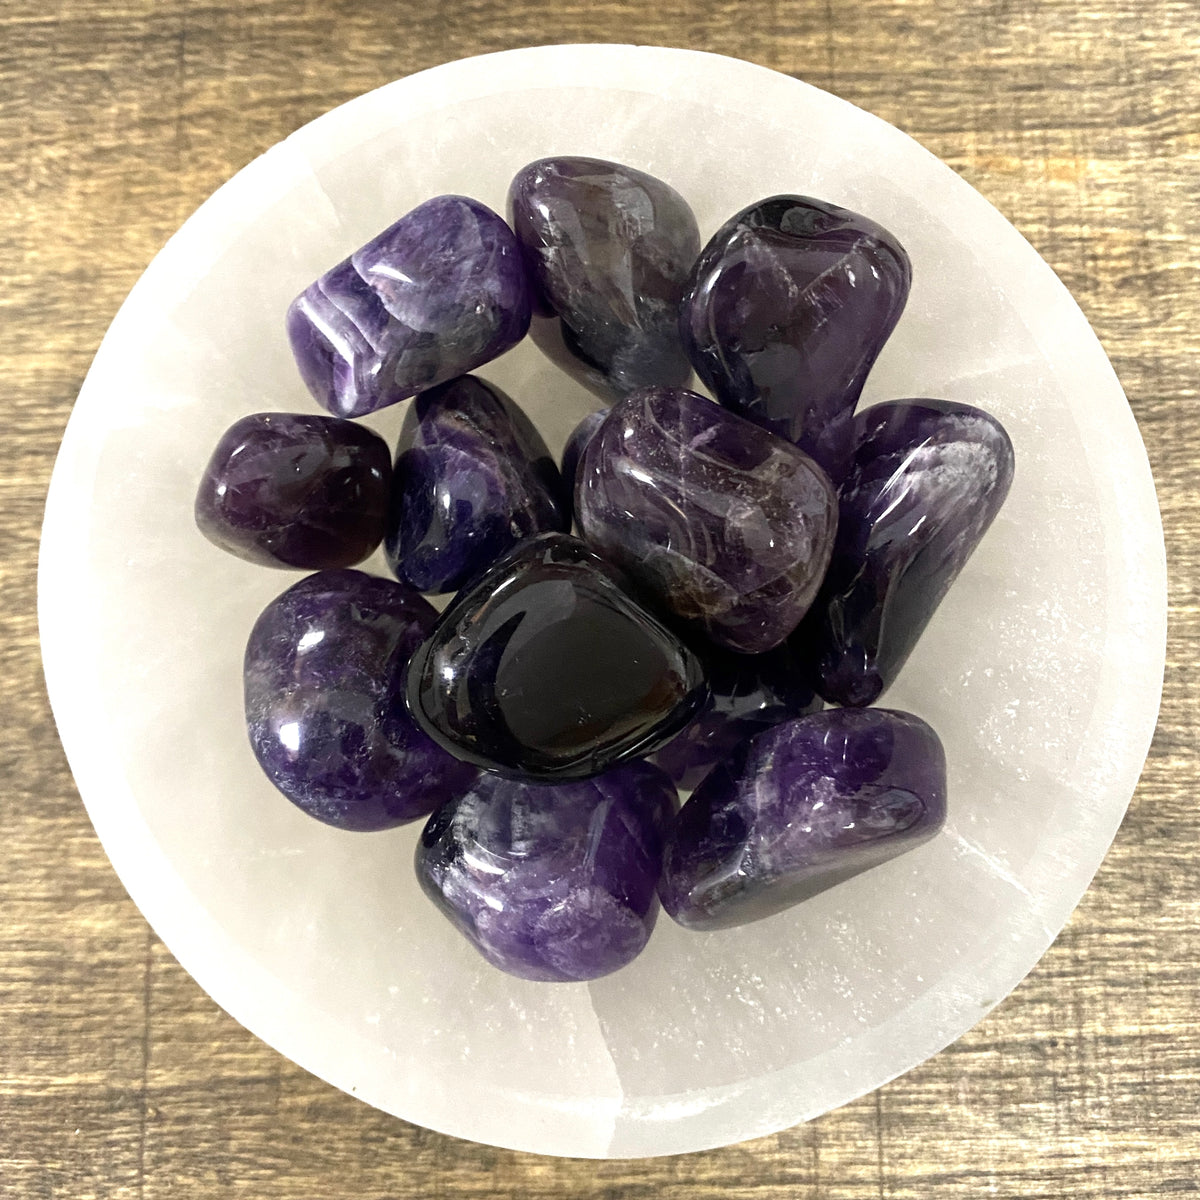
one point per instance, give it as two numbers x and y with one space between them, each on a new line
737 562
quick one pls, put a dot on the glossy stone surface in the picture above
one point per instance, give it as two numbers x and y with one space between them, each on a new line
553 882
324 680
284 490
927 479
609 250
545 669
800 808
726 525
573 451
437 294
473 478
747 694
788 306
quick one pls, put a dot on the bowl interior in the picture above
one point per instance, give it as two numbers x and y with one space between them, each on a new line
1041 670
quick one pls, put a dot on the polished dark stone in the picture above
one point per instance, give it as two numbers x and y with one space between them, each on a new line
724 524
284 490
545 669
573 451
609 249
927 479
552 881
788 306
800 808
324 695
747 694
437 294
473 478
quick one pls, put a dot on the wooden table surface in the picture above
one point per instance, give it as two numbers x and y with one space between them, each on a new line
118 1076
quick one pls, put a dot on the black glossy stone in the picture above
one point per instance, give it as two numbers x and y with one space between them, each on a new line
544 668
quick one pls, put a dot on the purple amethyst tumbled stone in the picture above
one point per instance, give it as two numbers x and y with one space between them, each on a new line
473 478
284 490
609 249
724 524
573 451
324 696
927 479
545 669
800 808
788 306
747 694
551 882
437 294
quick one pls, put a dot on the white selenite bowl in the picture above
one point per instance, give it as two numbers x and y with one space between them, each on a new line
1041 670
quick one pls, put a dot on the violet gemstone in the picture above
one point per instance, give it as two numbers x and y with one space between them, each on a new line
545 669
283 490
747 694
800 808
927 479
788 306
573 450
437 294
552 882
609 250
724 524
473 477
324 693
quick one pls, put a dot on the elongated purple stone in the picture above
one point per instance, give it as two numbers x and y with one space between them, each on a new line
573 451
725 524
788 306
324 695
747 694
284 490
609 249
545 669
553 882
927 479
437 294
800 808
473 478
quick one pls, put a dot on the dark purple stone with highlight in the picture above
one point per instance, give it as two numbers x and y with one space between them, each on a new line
324 697
787 308
800 808
573 451
437 294
553 882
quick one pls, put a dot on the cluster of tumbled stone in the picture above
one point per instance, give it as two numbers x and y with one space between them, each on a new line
739 561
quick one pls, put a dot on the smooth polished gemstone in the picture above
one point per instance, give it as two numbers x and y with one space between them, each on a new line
324 694
552 881
747 694
800 808
573 451
725 524
283 490
788 306
544 668
437 294
609 250
473 478
927 479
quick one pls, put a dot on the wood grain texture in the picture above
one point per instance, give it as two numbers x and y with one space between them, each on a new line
118 1077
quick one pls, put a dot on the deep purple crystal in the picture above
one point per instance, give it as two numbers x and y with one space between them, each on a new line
473 478
324 694
725 524
552 882
788 306
283 490
927 479
747 694
800 808
437 294
573 451
609 250
545 669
